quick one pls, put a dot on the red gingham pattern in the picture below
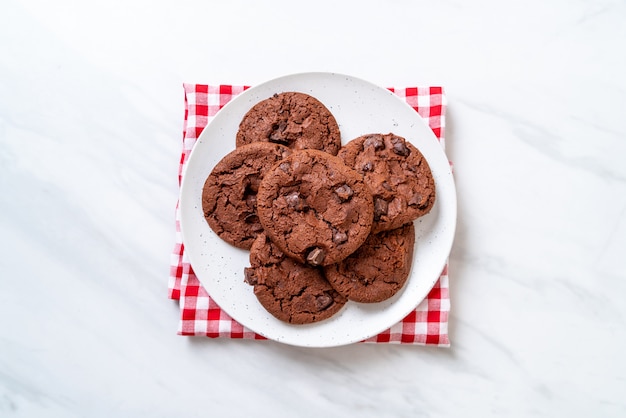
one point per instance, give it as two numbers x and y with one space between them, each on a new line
200 315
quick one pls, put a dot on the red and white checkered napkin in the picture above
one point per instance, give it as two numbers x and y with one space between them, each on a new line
200 315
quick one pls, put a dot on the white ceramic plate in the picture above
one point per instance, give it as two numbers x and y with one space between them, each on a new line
360 108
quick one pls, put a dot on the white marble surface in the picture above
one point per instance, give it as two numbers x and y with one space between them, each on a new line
90 126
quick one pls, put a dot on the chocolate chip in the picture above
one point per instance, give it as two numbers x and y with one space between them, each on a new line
323 302
251 218
380 207
295 201
253 184
415 200
250 200
286 167
275 139
374 141
344 192
249 276
368 166
292 199
339 237
277 135
315 256
399 147
386 186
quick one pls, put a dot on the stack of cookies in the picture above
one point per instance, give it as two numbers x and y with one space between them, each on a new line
324 223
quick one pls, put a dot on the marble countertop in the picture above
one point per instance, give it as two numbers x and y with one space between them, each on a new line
91 109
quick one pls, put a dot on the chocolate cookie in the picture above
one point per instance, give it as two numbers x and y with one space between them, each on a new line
378 269
229 193
290 291
293 119
398 175
315 208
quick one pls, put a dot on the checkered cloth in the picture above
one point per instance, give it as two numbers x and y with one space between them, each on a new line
201 316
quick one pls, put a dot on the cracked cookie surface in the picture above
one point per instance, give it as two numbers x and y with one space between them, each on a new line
290 291
315 208
229 192
398 175
296 120
378 269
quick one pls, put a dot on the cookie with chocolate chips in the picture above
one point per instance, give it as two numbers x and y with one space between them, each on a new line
398 175
315 208
229 192
378 269
290 291
296 120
